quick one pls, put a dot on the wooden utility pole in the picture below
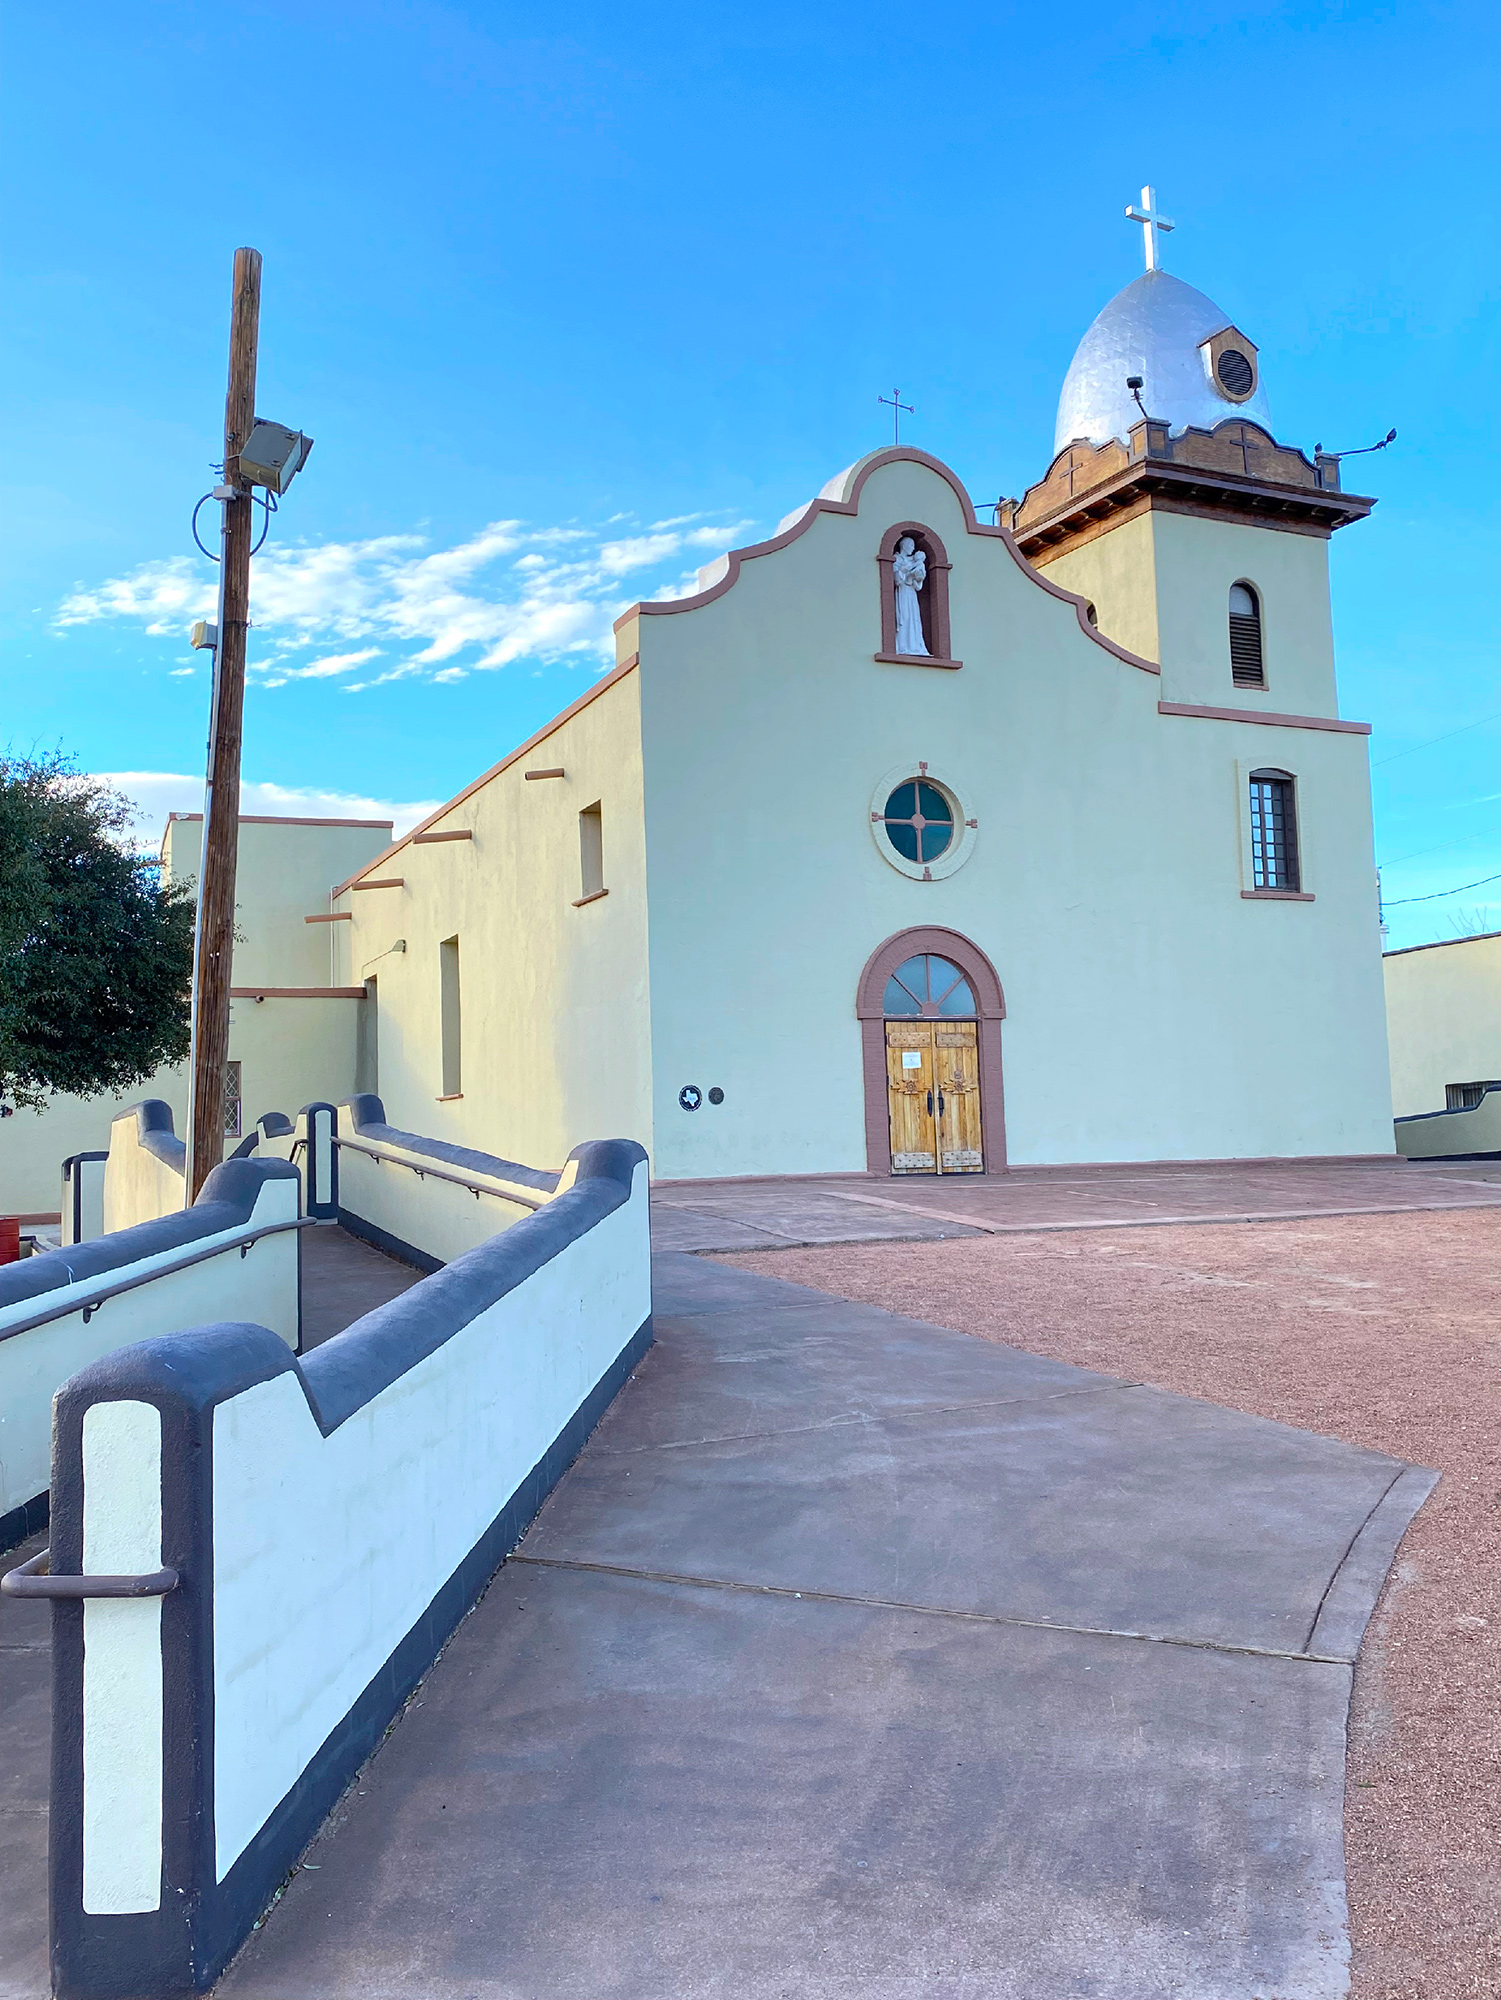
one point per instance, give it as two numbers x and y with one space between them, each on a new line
213 950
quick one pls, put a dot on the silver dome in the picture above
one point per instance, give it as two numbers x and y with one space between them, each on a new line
1153 329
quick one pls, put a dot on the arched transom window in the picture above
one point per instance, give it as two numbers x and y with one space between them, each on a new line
928 985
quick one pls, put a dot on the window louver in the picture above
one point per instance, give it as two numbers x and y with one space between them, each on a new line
1247 668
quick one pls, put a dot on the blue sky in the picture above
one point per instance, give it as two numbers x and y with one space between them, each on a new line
572 298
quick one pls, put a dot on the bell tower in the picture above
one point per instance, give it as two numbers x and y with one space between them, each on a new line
1199 540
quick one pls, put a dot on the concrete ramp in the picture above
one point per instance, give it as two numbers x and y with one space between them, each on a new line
857 1657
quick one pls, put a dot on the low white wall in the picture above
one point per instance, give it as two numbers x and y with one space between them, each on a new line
355 1505
436 1206
145 1176
400 1493
1440 1134
261 1285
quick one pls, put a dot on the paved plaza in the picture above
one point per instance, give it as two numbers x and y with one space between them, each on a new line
858 1655
778 1214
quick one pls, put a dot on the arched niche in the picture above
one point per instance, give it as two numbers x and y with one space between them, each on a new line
933 599
990 1011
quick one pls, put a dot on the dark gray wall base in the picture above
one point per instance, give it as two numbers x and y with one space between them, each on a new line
392 1246
22 1522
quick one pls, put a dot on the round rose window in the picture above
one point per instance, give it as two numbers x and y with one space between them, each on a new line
919 821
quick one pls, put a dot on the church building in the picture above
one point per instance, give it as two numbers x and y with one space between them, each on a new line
917 843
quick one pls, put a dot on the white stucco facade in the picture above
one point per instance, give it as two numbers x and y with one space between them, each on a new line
1155 1007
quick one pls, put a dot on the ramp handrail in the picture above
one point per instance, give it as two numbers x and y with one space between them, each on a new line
506 1192
35 1579
62 1306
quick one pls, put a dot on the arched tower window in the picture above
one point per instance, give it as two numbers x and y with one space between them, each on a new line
932 596
1247 667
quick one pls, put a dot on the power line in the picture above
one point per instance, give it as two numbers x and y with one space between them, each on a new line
1439 894
1448 735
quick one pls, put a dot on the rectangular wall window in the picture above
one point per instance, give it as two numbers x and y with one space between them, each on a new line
452 1020
591 851
367 1042
1274 831
232 1106
1465 1096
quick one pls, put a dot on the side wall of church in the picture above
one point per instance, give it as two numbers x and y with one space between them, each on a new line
1443 1019
1153 1012
553 1004
284 871
289 1051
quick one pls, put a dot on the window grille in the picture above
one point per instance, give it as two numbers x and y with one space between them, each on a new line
232 1100
1247 667
1465 1096
1274 832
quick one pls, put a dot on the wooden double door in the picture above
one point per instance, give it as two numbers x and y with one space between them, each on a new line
933 1088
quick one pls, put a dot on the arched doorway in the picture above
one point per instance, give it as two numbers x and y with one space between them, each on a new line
930 1008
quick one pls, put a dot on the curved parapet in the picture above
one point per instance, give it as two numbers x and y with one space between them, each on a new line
841 495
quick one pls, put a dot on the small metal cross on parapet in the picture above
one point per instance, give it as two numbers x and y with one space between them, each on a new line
1152 224
897 406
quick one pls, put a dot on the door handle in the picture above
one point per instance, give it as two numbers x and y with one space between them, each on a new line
940 1103
930 1104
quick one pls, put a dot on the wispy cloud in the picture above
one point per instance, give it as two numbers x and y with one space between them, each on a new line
154 794
509 592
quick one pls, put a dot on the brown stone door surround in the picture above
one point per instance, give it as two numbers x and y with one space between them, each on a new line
990 1011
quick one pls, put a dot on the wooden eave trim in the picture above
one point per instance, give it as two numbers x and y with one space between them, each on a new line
296 992
1267 716
1158 481
432 839
861 471
382 882
601 686
338 917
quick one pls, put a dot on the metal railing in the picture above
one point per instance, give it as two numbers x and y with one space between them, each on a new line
507 1192
106 1289
35 1579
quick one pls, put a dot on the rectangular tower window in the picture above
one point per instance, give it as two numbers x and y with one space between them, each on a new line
232 1111
1274 832
591 852
452 1027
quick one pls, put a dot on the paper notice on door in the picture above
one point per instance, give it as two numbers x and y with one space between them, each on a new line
911 1058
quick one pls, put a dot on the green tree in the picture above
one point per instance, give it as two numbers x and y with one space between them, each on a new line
96 956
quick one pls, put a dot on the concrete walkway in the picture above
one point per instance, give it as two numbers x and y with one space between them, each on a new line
857 1657
771 1214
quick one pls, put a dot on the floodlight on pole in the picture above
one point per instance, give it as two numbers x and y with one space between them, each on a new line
272 456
